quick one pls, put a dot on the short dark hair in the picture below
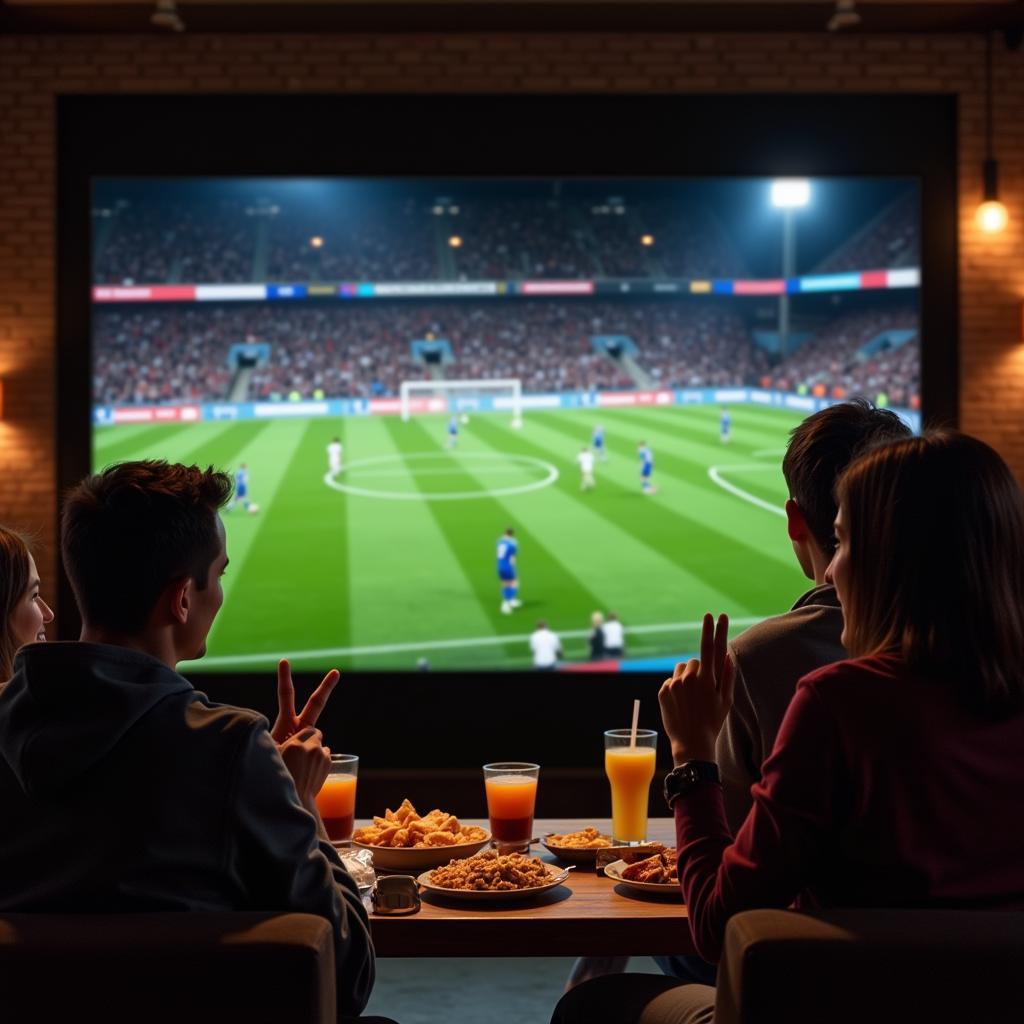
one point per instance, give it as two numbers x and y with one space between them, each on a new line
821 447
129 531
936 566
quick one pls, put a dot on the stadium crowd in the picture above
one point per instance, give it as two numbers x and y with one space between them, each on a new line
890 241
833 359
364 350
167 244
403 240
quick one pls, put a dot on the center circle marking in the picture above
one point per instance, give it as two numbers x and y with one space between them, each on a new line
550 476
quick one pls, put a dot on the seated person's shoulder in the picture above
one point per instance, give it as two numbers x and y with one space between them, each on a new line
817 617
855 675
204 715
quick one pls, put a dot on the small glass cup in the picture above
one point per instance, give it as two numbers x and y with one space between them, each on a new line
336 800
629 770
511 788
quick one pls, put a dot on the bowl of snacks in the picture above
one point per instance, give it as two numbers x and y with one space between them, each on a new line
492 877
577 847
658 875
405 840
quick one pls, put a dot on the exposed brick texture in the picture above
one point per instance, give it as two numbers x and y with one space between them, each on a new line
35 70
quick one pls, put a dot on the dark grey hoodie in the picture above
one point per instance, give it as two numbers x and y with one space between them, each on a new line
123 788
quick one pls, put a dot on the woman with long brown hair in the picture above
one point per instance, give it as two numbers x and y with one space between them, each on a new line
23 612
896 776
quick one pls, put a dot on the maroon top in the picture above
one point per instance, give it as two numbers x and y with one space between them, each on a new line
880 791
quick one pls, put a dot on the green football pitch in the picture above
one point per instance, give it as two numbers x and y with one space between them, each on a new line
393 560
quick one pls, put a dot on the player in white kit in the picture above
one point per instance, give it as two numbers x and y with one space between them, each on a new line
586 461
334 450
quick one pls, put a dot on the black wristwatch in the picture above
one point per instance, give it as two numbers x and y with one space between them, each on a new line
681 780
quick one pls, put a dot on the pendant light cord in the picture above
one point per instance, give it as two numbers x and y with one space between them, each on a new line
988 96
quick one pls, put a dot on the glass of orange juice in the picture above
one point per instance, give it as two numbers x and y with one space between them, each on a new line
629 770
336 800
511 788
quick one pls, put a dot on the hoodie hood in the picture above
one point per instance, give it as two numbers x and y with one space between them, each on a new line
68 704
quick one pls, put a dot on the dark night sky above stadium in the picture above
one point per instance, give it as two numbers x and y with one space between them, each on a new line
838 208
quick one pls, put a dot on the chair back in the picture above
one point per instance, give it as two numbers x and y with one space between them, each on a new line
186 968
871 967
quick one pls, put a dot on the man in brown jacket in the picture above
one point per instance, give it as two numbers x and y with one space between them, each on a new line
771 656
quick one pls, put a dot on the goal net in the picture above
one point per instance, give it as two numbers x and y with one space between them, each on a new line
462 396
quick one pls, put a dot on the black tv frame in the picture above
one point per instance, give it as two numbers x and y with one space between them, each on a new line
450 722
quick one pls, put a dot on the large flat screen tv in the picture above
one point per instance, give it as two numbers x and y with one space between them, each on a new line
242 279
438 397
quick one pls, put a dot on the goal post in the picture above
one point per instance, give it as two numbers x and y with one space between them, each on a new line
511 386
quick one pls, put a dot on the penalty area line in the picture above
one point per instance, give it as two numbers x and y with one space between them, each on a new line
715 472
227 660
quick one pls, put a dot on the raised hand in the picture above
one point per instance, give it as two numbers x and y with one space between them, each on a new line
308 762
288 723
695 701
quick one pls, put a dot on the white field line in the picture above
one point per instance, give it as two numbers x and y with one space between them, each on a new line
439 645
494 471
715 472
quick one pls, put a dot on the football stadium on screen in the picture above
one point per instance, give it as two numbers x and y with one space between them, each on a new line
454 409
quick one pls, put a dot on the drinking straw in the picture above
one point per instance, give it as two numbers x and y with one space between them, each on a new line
636 718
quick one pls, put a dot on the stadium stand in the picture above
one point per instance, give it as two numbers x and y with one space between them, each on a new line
403 240
157 244
887 242
834 360
174 354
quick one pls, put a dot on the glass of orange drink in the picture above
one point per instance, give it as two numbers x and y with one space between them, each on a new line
630 770
336 800
511 788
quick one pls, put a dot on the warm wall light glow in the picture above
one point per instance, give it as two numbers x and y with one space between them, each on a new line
317 242
991 217
791 192
455 241
647 239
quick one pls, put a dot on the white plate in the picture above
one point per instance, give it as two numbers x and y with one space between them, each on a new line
411 858
615 869
558 876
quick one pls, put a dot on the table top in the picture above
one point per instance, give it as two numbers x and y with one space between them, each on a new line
585 916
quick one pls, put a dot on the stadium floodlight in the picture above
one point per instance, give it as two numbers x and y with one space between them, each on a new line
790 193
512 400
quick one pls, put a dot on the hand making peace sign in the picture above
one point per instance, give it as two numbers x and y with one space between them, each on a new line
288 723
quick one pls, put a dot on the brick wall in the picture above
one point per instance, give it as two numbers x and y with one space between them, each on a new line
34 70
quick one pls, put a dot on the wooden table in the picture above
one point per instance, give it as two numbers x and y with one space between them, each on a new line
586 916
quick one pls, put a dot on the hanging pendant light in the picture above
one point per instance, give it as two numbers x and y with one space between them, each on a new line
991 216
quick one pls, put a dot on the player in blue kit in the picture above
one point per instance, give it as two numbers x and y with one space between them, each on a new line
242 491
507 551
597 443
723 426
453 431
646 468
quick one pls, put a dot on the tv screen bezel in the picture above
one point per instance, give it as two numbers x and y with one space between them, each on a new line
396 718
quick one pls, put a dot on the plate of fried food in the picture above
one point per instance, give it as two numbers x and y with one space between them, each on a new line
577 847
405 840
492 877
658 874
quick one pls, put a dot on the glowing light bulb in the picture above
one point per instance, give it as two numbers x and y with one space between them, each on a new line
316 242
647 239
991 216
455 241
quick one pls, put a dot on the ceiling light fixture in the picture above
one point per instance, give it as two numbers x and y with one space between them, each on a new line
991 215
845 16
166 16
